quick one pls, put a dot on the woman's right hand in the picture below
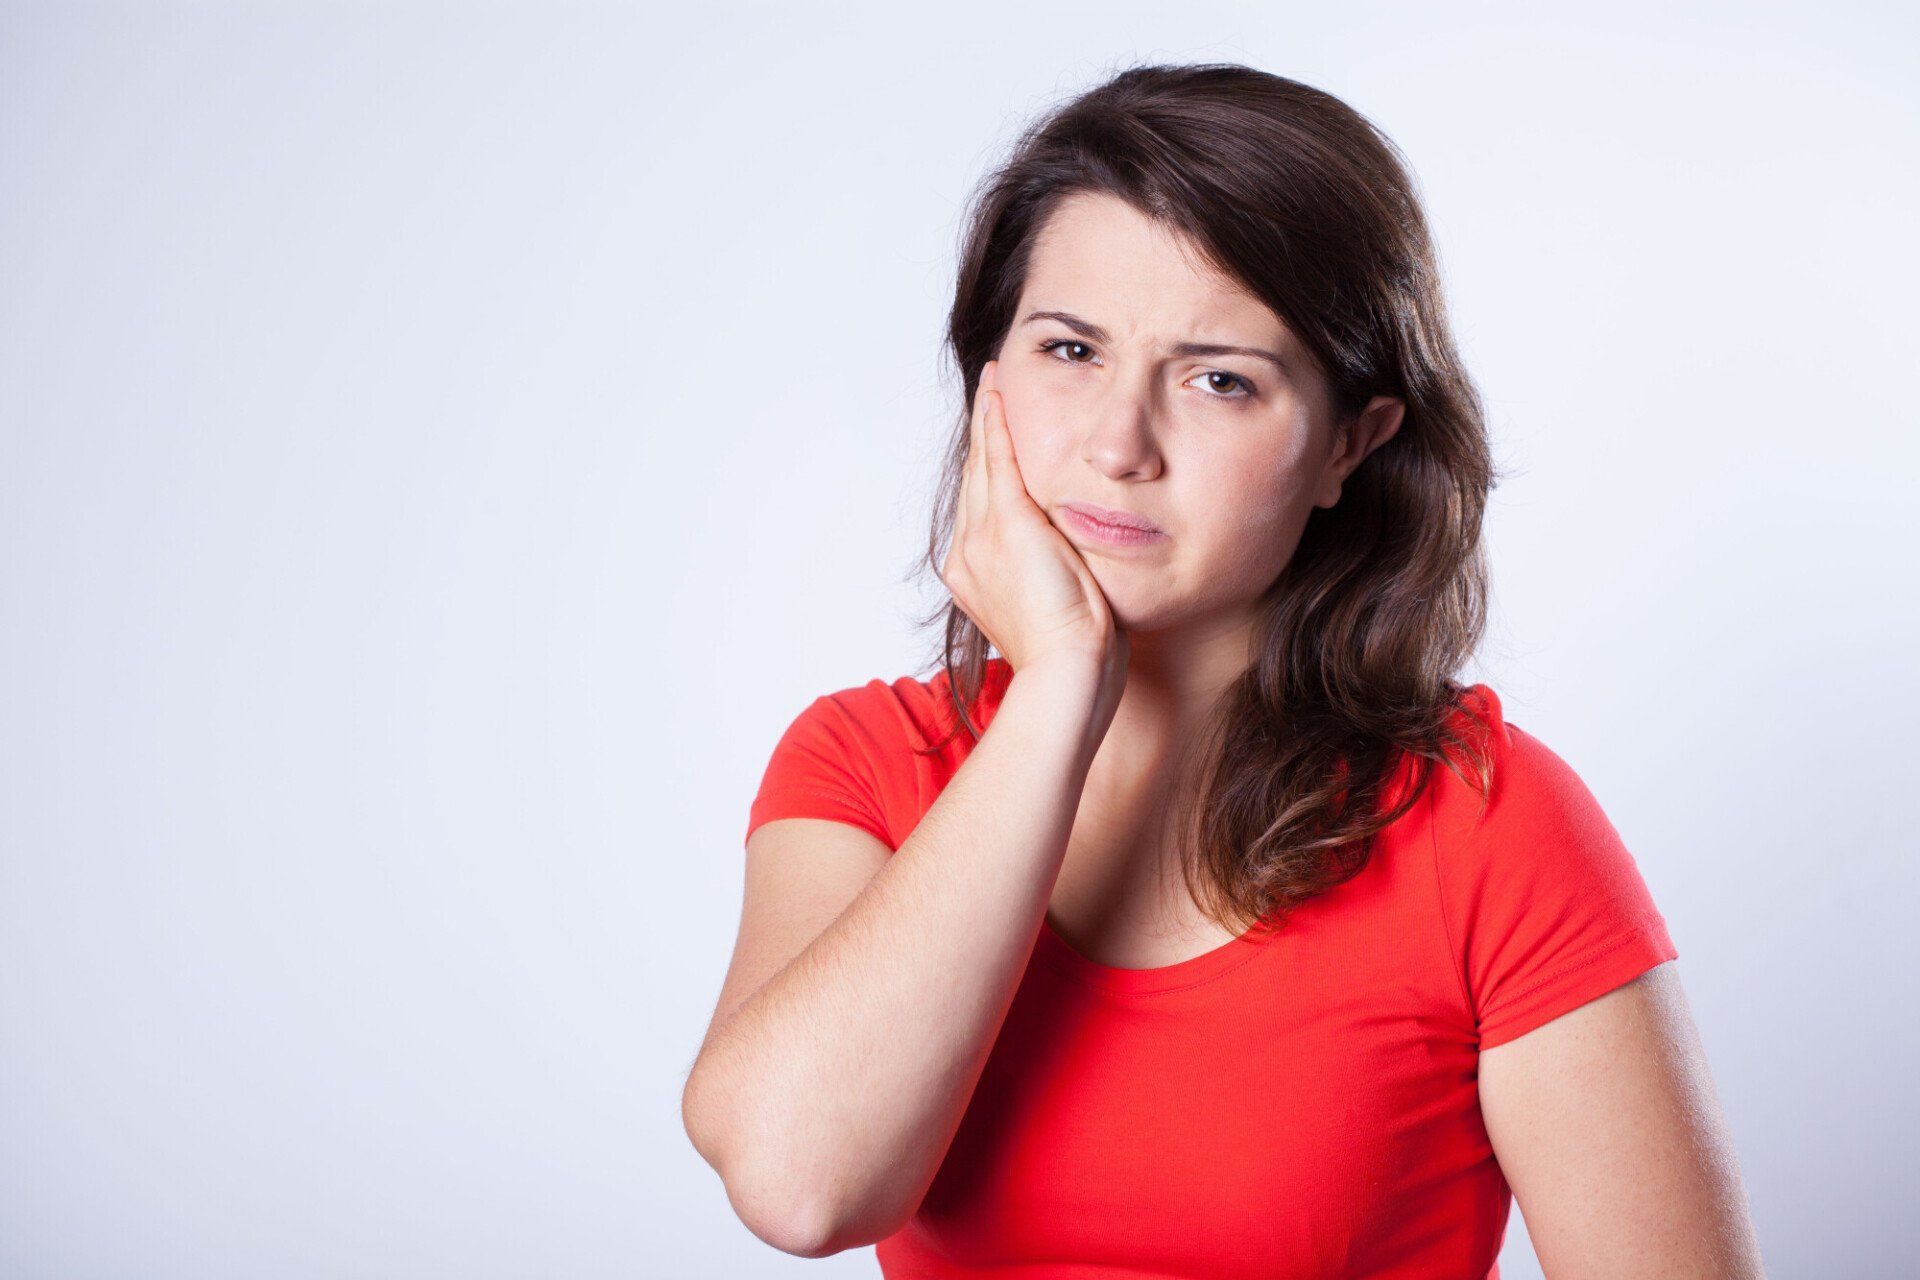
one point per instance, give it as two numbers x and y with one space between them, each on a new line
1019 579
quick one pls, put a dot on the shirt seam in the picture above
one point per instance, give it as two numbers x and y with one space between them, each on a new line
852 802
1586 958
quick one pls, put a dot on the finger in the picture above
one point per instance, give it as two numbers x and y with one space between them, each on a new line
989 380
1003 469
967 504
976 482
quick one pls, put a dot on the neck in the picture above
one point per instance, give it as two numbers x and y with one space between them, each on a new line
1175 678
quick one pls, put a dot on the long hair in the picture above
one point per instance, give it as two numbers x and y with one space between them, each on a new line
1294 194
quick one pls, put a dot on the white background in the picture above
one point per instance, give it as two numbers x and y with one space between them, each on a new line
441 447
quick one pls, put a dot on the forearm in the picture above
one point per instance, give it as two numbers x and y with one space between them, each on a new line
838 1086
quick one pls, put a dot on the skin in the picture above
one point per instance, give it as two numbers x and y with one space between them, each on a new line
1228 454
1607 1126
1605 1120
1230 465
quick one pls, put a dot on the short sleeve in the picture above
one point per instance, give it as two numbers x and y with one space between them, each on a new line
1545 906
822 768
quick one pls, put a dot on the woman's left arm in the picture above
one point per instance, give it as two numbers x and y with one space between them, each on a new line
1607 1126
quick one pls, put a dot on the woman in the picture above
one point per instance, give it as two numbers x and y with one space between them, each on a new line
1211 929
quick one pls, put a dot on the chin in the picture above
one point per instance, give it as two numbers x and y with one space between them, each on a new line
1137 606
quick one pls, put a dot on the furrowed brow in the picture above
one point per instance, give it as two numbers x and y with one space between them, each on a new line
1094 333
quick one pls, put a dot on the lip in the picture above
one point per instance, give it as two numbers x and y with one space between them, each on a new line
1114 528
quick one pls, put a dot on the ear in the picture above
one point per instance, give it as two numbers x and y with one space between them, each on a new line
1354 439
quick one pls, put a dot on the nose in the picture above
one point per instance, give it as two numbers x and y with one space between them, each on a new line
1120 440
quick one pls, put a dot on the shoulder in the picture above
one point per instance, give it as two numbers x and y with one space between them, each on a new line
1544 904
887 721
1536 840
910 710
883 712
1497 769
871 754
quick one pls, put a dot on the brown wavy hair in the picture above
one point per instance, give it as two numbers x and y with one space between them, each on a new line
1293 193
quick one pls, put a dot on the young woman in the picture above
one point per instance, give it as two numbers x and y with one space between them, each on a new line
1211 929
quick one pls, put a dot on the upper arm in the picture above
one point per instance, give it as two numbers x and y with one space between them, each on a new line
1606 1125
817 830
801 874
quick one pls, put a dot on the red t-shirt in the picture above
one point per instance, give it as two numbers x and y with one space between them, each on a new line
1300 1104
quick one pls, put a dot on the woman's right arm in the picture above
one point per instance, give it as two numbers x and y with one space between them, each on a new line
829 1097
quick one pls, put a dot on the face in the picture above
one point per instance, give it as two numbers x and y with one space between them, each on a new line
1227 454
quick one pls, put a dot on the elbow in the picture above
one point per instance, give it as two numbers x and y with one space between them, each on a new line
793 1214
791 1222
802 1234
773 1206
781 1212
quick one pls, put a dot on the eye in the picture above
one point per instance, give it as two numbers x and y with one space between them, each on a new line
1246 388
1245 392
1066 342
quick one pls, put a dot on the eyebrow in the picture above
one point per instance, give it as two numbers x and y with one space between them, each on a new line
1095 333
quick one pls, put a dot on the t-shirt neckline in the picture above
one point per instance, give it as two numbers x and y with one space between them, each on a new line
1058 954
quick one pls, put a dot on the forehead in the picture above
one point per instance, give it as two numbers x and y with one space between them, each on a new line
1101 258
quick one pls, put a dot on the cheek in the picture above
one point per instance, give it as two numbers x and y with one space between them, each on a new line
1276 503
1255 523
1043 416
1259 489
1250 516
1040 450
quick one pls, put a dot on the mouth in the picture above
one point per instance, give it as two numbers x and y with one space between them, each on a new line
1113 518
1106 527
